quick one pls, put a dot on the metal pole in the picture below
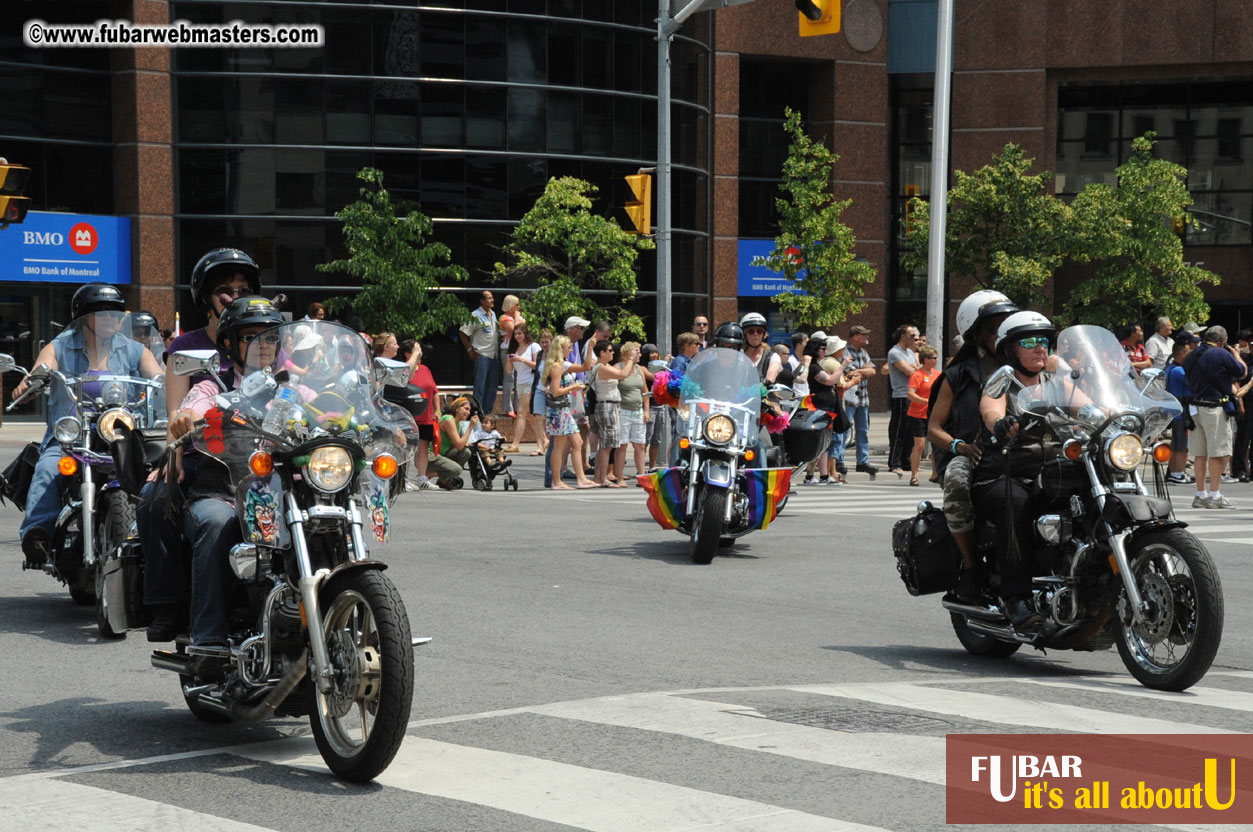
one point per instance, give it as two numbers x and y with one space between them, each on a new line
665 29
939 176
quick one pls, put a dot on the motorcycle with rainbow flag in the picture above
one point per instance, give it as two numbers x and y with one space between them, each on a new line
719 490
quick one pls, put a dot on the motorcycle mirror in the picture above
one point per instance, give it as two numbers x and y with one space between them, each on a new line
1151 376
391 373
190 362
781 392
998 383
6 362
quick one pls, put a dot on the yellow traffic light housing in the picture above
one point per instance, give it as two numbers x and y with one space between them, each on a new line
640 208
13 206
818 17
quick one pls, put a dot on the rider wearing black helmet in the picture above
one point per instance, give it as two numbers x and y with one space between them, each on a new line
729 335
217 278
246 333
92 343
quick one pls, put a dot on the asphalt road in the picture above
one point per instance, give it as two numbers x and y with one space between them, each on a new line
585 675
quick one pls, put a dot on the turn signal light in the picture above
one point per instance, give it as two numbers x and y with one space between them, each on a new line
68 466
1161 453
385 466
685 443
1072 450
261 464
750 455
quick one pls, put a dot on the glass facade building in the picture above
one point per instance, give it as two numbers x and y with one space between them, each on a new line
467 111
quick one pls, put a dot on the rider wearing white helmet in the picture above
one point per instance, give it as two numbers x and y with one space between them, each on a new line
757 349
953 419
1003 482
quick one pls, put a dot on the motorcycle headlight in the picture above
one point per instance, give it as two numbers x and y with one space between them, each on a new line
67 430
719 429
330 468
1124 451
113 392
110 419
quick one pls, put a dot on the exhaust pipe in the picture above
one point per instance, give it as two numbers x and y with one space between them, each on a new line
1000 632
972 611
418 641
266 707
165 660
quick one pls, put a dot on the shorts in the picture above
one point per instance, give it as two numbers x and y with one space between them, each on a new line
958 509
1178 437
1212 435
915 428
559 421
524 382
631 423
608 430
658 426
426 432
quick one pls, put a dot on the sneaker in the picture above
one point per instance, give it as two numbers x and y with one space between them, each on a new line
824 481
1200 502
35 548
809 480
1179 478
1220 502
1227 479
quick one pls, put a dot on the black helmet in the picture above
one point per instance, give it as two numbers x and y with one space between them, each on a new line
96 297
244 312
230 259
729 335
141 319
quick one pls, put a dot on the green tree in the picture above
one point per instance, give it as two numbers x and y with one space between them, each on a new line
568 251
812 239
1004 231
400 270
1130 232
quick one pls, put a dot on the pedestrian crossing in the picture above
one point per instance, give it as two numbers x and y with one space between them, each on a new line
812 757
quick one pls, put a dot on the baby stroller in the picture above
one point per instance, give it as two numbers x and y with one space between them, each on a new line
481 473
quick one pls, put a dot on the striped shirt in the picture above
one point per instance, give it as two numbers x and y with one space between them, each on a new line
859 394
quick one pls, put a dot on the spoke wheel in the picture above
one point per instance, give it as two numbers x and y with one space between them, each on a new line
360 722
1173 644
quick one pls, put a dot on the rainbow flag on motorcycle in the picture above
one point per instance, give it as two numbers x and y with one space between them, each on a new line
765 487
665 496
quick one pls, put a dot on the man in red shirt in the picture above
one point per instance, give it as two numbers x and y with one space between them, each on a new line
1133 343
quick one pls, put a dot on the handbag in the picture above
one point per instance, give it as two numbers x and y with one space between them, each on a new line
926 554
589 392
15 479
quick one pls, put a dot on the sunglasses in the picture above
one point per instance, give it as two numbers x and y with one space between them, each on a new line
111 314
1034 342
754 330
264 337
233 291
701 323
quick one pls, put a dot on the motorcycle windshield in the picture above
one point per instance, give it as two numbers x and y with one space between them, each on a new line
1093 381
102 339
720 380
301 382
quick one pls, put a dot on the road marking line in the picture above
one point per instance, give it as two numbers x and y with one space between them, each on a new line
900 755
579 797
1232 700
56 806
1006 710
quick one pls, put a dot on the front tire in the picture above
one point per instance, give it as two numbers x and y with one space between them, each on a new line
707 529
360 724
977 644
117 515
1174 644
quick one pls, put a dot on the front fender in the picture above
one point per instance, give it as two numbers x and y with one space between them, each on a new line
1160 526
717 472
326 575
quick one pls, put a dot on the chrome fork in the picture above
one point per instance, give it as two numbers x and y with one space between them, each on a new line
309 583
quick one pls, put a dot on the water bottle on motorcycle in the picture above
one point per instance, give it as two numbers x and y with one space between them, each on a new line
281 409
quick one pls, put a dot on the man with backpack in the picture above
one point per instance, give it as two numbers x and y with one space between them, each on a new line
1212 369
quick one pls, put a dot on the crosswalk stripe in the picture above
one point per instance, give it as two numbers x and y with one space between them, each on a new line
1233 700
900 755
55 806
583 798
1006 710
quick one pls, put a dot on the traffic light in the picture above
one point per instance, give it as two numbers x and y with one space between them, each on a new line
13 206
640 208
818 17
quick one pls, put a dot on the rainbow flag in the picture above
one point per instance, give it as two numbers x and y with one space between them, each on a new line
665 496
764 488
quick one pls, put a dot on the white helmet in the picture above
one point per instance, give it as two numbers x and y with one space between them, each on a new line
753 319
1022 324
984 303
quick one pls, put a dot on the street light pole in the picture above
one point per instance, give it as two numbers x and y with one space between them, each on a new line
939 175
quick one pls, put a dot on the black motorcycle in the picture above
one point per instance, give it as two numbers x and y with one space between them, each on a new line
1116 567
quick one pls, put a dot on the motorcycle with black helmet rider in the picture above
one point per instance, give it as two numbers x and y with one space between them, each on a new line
96 378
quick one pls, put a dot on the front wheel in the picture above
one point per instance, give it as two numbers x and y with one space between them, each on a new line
977 644
360 723
1173 644
707 529
117 514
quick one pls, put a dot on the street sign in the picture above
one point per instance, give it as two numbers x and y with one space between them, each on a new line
67 248
758 281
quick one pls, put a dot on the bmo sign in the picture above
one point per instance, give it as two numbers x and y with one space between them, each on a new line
66 248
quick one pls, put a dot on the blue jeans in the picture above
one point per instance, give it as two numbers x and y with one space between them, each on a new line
836 449
212 528
486 381
548 465
861 424
158 518
43 501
